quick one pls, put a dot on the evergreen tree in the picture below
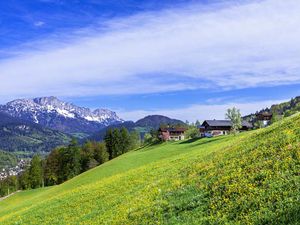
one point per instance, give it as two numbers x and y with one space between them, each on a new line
52 167
124 140
117 150
36 172
108 138
69 161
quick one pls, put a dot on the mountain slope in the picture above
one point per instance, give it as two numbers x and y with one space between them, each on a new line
58 115
154 121
23 136
7 160
251 178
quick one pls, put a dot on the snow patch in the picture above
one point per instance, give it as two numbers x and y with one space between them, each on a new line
92 118
35 120
65 113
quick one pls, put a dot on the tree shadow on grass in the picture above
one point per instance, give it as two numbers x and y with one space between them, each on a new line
190 141
149 146
205 140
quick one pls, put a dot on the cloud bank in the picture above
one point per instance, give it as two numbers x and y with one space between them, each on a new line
237 45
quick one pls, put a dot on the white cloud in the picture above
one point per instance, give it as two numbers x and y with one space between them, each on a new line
39 23
233 46
200 112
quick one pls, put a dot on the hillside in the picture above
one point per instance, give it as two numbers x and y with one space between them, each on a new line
7 160
143 125
17 135
251 178
154 121
283 109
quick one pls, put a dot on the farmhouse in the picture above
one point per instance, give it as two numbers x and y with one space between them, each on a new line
265 117
171 134
220 127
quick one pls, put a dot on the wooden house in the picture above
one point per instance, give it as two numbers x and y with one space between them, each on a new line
220 127
171 134
265 117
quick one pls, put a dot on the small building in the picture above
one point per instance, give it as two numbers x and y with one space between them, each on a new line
171 134
265 117
220 127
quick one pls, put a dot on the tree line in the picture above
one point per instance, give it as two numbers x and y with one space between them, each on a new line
64 163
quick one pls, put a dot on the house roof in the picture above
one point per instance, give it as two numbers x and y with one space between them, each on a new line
264 116
224 123
265 113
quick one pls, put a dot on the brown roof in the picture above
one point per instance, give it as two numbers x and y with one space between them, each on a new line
264 114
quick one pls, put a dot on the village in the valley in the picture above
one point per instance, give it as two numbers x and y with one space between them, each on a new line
13 171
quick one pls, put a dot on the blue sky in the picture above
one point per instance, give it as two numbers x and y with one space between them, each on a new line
185 59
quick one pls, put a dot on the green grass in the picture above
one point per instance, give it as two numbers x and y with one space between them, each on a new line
251 178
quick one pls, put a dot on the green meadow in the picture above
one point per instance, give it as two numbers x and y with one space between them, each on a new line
250 178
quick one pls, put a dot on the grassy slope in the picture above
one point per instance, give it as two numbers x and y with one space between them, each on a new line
251 178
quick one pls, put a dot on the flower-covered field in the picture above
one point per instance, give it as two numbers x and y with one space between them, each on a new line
251 178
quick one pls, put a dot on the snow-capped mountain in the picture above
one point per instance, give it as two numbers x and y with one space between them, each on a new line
56 114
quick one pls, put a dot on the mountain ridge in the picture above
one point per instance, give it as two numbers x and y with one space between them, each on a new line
59 115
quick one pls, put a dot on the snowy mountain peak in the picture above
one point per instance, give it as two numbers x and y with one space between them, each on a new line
54 113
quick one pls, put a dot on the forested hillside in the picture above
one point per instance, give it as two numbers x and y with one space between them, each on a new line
250 178
281 110
7 160
17 135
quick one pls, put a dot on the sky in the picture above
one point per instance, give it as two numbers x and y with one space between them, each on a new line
185 59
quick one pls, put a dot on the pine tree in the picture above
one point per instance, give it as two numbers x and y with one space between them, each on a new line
117 150
124 140
36 172
108 138
52 166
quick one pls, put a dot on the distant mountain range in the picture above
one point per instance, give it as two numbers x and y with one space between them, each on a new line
55 114
41 124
